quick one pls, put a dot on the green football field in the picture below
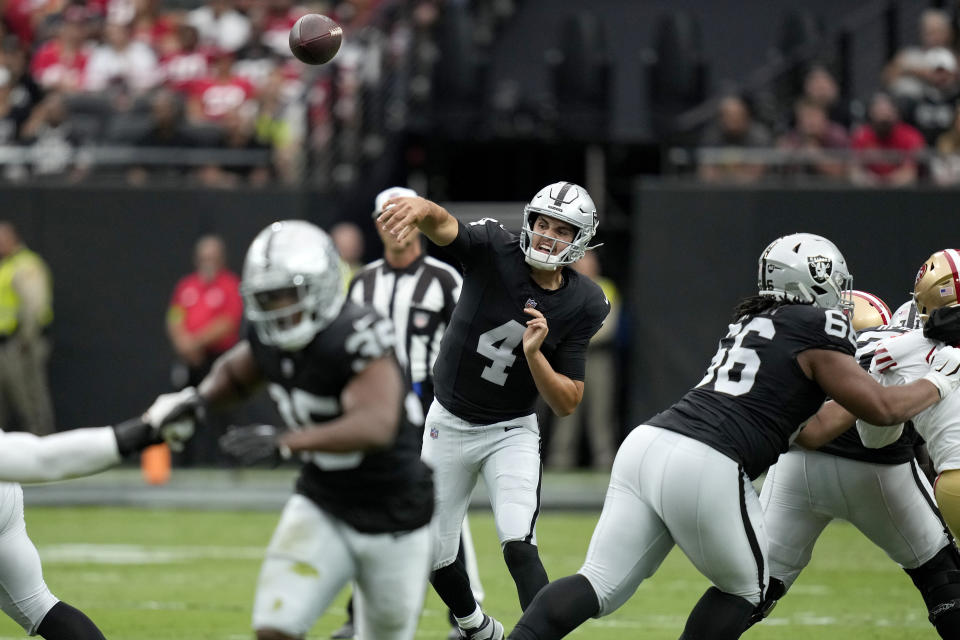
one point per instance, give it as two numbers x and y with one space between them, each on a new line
184 575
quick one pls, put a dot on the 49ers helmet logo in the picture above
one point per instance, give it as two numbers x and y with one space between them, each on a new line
921 273
821 267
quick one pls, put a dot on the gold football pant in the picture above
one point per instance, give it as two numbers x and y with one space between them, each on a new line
947 492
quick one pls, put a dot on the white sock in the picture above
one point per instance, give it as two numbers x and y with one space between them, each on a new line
472 621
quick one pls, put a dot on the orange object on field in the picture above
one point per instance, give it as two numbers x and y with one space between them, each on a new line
155 464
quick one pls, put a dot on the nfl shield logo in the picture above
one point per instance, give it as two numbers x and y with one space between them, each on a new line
531 304
434 433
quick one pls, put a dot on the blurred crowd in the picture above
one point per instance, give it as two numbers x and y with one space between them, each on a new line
908 131
78 79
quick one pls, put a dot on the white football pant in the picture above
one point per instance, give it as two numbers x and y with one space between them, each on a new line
312 555
506 454
24 595
891 504
666 489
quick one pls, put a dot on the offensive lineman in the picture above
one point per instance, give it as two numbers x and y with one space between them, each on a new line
684 476
516 295
882 492
364 498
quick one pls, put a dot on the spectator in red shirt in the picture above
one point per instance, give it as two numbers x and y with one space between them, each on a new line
885 132
205 312
213 97
59 63
203 322
186 63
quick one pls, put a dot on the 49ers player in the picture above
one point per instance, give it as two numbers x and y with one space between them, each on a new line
882 492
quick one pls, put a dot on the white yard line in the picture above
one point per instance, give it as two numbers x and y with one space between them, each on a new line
142 554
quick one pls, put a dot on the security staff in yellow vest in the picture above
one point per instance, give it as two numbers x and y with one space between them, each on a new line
26 311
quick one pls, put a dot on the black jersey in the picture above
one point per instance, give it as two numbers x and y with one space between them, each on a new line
848 443
383 491
754 395
481 374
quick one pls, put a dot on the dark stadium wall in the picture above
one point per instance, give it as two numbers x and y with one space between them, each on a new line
695 253
116 255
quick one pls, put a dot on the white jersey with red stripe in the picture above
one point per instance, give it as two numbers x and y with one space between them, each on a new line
903 359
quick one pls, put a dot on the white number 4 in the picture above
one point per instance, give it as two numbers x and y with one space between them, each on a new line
498 345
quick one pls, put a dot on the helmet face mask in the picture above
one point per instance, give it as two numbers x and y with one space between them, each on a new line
806 268
292 287
937 282
568 203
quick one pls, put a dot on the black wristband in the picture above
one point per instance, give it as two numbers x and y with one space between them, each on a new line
134 435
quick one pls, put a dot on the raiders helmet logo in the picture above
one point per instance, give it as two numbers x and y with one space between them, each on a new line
821 267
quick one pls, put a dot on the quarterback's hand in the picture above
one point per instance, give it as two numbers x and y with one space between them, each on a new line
535 333
945 370
254 443
173 416
401 216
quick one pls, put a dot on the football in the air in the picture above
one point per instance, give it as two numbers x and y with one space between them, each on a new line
315 39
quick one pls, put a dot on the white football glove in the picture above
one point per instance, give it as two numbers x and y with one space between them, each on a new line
945 370
174 416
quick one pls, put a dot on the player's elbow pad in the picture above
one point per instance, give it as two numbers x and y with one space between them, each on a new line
874 437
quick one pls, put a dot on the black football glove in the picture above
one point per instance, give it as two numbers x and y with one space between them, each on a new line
254 444
135 435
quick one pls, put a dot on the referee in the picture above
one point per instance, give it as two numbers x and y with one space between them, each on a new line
418 293
414 290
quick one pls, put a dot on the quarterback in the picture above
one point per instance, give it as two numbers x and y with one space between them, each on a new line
521 329
683 477
364 498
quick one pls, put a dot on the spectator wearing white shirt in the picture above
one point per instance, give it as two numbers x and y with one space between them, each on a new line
122 59
220 25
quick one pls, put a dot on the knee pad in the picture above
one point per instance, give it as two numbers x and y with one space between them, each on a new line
30 612
938 581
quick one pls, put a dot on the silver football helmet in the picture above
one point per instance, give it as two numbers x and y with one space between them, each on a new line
803 267
567 202
906 316
292 284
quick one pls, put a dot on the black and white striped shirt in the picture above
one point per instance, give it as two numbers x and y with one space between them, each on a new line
420 300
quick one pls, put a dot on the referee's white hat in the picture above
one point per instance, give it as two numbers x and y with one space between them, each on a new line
387 194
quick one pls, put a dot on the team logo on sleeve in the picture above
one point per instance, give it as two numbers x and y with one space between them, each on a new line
820 268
